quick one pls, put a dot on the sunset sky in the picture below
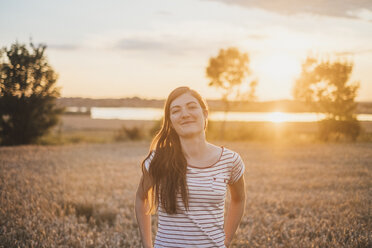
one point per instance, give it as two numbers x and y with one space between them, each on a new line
146 48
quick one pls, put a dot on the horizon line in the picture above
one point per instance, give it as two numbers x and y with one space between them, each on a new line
207 99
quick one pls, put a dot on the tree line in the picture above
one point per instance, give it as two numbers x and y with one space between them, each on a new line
28 91
323 84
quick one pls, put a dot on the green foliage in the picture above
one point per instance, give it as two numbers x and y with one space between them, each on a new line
27 94
325 86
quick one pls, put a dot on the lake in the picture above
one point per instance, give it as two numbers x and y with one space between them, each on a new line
130 113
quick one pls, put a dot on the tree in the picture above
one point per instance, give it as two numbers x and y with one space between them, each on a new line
27 94
227 72
325 86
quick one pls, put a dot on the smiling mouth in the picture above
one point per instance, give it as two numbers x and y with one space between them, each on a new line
187 122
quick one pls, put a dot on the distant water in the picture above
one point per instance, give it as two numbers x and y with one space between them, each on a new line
128 113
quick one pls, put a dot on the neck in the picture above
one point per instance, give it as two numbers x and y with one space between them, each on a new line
195 146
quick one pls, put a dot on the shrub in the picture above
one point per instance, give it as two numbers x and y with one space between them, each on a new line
27 94
330 129
84 209
105 216
124 133
92 213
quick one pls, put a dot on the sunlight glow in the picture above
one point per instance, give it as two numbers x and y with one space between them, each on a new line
128 113
277 117
280 65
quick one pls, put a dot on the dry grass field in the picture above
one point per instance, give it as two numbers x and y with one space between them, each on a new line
304 195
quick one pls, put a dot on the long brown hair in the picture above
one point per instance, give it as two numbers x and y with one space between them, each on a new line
169 166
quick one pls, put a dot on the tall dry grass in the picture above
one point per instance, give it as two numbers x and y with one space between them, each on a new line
309 195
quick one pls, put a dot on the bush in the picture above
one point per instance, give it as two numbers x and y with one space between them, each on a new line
330 129
124 133
27 94
91 213
105 216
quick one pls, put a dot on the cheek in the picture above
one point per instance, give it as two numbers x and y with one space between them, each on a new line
173 120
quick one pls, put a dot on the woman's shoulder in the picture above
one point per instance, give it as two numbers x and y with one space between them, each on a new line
235 163
229 153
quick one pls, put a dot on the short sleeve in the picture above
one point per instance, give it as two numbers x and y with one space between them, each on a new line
147 161
237 169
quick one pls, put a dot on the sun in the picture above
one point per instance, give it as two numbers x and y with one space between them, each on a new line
276 72
277 117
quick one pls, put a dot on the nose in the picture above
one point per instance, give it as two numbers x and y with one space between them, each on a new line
184 113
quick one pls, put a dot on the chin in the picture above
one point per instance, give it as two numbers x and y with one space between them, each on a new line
190 133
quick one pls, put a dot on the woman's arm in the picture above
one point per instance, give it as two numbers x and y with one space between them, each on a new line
236 209
141 208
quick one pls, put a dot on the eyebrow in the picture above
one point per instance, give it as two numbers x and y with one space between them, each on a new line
191 102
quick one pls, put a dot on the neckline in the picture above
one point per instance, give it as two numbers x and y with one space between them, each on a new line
209 166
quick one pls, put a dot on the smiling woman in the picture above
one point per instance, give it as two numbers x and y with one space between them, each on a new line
186 115
186 179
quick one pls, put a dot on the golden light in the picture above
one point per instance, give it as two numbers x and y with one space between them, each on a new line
280 65
277 117
276 72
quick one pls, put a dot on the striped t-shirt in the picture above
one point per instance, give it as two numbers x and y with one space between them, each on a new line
203 224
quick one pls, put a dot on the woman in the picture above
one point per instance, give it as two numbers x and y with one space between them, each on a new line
185 178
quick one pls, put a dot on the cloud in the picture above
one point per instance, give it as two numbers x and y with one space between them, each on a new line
156 43
347 53
182 38
176 44
163 13
342 8
166 45
63 47
140 44
257 37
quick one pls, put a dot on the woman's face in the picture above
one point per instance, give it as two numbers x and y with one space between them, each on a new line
187 116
